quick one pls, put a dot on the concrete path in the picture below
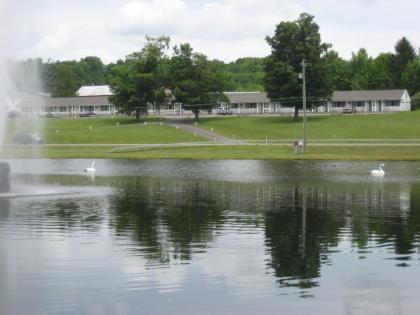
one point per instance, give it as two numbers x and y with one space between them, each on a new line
198 131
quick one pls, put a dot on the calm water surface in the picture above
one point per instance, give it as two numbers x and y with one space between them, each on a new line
210 237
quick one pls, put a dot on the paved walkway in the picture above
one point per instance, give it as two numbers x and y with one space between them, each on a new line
198 131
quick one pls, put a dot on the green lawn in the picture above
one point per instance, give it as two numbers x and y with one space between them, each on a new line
109 131
381 153
404 125
99 131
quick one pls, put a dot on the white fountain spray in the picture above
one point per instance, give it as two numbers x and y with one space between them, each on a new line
5 45
20 82
19 87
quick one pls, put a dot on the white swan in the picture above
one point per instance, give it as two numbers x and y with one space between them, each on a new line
379 171
91 168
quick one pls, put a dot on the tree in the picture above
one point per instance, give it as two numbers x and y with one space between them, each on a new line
292 42
247 74
93 71
193 82
361 65
65 82
381 72
415 101
404 54
410 78
338 71
137 80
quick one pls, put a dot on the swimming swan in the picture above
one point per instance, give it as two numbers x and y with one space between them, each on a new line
380 171
91 168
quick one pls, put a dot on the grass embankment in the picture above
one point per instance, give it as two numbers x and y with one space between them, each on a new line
219 152
97 130
106 131
404 125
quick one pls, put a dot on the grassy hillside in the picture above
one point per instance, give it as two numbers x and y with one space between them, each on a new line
64 134
99 131
382 126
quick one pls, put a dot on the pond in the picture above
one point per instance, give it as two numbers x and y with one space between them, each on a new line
210 237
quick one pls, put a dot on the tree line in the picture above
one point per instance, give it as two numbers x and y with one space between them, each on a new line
158 74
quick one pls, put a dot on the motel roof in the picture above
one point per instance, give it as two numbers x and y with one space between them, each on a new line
247 97
94 90
78 101
368 95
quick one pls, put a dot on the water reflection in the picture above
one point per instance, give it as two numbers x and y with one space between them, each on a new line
248 246
168 219
173 220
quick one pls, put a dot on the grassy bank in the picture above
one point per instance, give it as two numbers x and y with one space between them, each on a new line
382 153
404 125
96 137
99 131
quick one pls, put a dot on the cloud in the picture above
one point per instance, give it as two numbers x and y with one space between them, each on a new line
58 39
150 17
226 20
222 29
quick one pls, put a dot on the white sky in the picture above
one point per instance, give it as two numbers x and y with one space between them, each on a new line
222 29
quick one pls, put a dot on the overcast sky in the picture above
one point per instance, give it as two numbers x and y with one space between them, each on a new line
222 29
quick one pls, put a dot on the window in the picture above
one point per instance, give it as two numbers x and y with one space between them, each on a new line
339 104
392 103
104 108
250 105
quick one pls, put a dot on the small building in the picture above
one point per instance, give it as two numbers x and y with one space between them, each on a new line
96 99
75 106
89 99
94 90
249 103
369 101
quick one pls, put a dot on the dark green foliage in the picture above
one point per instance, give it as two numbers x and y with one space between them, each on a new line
65 82
339 75
247 74
415 101
404 54
194 82
139 80
411 76
292 42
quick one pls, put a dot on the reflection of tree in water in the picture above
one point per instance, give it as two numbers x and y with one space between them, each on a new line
84 213
4 208
299 240
387 215
298 232
168 218
171 219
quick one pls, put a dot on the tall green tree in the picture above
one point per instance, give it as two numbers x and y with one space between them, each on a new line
361 65
193 82
93 70
338 71
65 82
137 80
381 72
292 42
404 54
410 78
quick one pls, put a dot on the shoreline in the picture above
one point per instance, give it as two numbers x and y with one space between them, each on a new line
343 152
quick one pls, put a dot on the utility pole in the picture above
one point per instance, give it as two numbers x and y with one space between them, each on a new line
304 103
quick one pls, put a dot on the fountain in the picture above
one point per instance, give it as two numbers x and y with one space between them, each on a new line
4 177
20 85
4 86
